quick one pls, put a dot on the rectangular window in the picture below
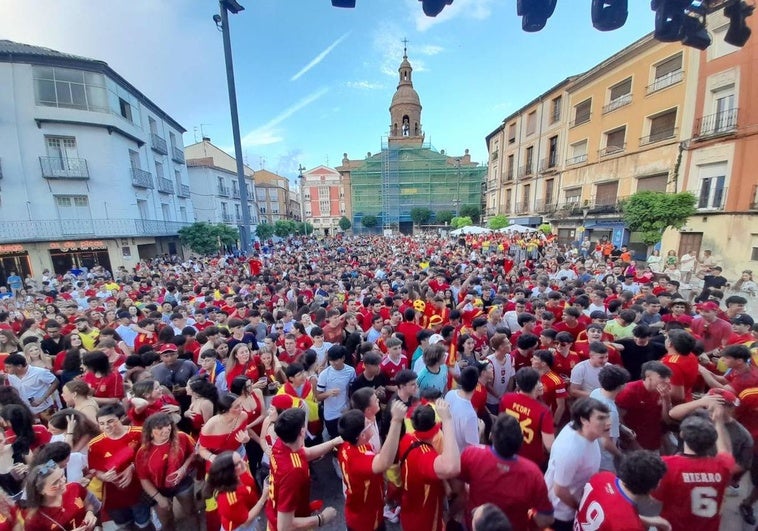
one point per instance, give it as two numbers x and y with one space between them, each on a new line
134 159
525 196
662 126
511 133
582 112
142 208
578 153
529 167
549 189
153 125
712 192
158 170
126 109
531 123
653 183
555 109
552 156
508 194
606 193
573 195
667 73
166 211
620 95
65 87
510 168
615 141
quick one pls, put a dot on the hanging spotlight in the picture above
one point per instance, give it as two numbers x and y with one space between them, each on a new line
432 8
343 3
694 33
608 15
738 32
669 18
534 13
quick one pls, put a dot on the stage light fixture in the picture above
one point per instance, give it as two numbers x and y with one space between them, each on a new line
738 32
694 33
669 19
432 8
609 15
534 13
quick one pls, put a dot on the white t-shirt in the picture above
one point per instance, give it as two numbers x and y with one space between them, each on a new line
586 376
465 420
606 460
34 384
503 373
330 378
573 461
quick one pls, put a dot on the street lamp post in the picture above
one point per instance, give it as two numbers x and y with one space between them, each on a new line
300 169
458 193
222 21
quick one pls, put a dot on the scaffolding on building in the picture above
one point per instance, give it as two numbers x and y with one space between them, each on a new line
390 184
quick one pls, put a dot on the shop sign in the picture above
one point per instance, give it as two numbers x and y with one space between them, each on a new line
78 246
12 248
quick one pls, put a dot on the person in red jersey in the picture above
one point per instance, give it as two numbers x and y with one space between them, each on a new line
394 361
740 373
565 357
236 493
646 404
570 322
423 469
554 390
491 471
525 347
611 503
111 456
288 506
534 417
363 469
747 415
54 504
683 364
695 480
163 466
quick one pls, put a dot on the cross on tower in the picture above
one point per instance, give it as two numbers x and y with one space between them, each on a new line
405 47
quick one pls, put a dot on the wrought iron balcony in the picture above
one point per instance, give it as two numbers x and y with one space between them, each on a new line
611 150
672 78
177 155
604 205
522 208
60 168
544 206
142 178
619 102
64 229
720 123
576 160
165 186
526 171
509 174
183 191
223 191
581 119
158 144
659 137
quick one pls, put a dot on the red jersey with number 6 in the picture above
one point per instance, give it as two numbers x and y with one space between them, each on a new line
692 490
535 418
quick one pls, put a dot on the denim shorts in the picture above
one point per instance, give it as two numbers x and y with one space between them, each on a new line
139 514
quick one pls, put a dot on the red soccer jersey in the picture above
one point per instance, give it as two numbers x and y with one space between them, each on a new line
692 490
684 371
109 386
642 413
743 380
106 454
583 349
520 360
70 513
562 365
364 490
563 326
535 418
157 462
747 412
234 507
488 476
423 491
391 368
289 490
605 507
553 388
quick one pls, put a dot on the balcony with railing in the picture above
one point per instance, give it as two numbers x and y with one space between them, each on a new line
165 186
183 190
578 159
581 119
604 205
227 218
522 208
509 174
720 123
607 151
235 193
223 191
659 136
158 144
526 171
507 208
60 168
549 164
69 229
142 178
660 83
177 155
545 206
621 101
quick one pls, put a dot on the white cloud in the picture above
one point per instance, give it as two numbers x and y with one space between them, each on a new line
472 9
320 57
388 44
364 85
268 132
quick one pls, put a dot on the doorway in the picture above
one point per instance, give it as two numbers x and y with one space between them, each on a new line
688 241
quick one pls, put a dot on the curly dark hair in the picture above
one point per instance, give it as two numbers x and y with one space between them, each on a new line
222 475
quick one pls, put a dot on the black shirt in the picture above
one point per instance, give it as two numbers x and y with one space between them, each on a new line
380 380
633 355
51 347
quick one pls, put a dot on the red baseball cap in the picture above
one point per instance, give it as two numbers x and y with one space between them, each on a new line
730 399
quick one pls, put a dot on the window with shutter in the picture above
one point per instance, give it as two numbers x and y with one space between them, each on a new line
662 126
615 141
605 194
669 66
622 89
582 112
653 183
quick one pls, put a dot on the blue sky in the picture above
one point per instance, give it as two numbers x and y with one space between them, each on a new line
315 81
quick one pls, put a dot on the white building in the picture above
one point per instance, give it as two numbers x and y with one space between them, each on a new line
215 188
92 171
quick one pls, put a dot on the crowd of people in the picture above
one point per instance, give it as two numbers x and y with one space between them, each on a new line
488 383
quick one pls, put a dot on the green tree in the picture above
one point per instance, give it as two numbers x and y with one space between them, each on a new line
284 227
264 231
344 223
546 229
369 221
461 221
207 238
651 213
498 222
303 228
421 215
471 211
444 216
